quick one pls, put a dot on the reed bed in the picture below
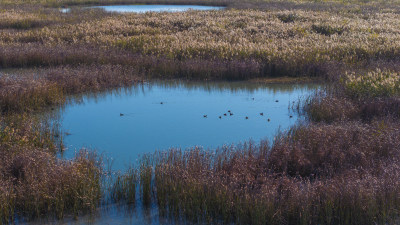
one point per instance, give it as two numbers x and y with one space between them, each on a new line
362 95
343 173
34 182
283 42
36 89
341 168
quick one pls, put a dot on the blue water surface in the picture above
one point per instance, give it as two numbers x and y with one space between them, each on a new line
125 124
155 8
151 8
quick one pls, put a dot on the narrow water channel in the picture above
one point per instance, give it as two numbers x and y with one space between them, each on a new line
151 8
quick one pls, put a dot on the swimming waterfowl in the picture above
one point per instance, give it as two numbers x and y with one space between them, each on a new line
247 117
262 114
224 114
276 100
231 114
269 120
220 117
121 114
205 116
161 103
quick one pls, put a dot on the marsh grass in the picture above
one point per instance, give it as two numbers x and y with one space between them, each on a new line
341 168
285 42
376 83
357 95
38 89
124 187
344 173
34 182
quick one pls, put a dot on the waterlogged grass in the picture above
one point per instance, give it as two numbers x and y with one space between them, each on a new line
344 173
33 182
124 187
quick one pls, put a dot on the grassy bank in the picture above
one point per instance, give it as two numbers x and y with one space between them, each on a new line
37 89
340 168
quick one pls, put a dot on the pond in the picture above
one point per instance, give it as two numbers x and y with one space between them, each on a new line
152 8
127 123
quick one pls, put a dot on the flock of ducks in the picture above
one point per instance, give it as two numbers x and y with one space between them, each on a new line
226 114
231 114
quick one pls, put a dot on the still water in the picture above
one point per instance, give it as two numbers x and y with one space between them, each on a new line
155 8
124 124
151 8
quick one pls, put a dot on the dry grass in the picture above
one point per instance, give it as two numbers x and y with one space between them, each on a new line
344 173
342 168
33 90
34 182
284 42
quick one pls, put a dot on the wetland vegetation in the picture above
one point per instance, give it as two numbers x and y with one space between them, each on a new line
341 166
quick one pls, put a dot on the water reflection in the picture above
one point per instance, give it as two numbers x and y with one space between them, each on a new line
129 122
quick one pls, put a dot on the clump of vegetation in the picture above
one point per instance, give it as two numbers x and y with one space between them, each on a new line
288 18
124 187
374 83
327 29
34 182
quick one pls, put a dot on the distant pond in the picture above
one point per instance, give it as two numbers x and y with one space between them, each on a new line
151 8
130 122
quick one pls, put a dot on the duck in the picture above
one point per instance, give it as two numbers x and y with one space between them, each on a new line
262 114
220 117
231 114
121 114
269 120
224 114
247 117
205 116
